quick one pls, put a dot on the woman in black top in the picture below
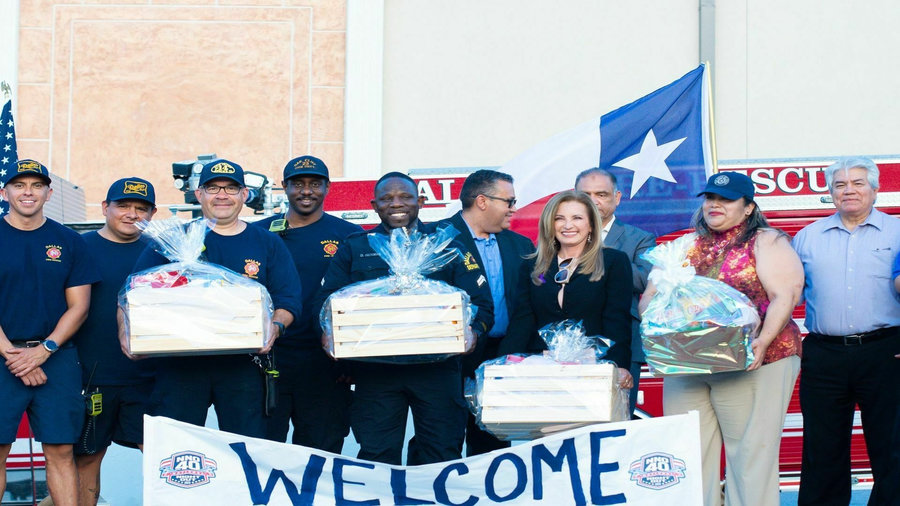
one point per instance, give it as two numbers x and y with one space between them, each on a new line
571 276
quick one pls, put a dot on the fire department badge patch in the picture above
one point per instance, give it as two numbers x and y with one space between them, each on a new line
330 248
469 262
187 469
657 471
53 252
251 268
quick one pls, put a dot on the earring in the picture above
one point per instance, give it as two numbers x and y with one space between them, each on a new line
589 237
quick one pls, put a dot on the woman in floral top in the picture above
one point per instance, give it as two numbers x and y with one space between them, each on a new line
734 244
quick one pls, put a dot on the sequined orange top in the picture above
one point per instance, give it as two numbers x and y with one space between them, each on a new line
722 257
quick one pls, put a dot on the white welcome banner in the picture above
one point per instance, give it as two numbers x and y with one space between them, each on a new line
653 461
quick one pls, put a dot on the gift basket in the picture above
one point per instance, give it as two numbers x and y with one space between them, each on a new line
404 317
520 397
694 324
190 306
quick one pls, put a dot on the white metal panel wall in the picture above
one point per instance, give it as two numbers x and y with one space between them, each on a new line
807 78
475 82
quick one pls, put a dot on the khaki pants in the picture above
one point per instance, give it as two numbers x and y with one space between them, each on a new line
745 410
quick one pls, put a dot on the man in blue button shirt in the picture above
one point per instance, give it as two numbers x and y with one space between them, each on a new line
488 202
851 353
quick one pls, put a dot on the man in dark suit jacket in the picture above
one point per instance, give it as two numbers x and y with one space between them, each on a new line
488 202
602 187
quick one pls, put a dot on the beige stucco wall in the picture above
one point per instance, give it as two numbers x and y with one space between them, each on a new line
113 89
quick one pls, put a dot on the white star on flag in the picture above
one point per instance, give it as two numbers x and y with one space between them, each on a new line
6 148
9 135
4 161
650 161
3 171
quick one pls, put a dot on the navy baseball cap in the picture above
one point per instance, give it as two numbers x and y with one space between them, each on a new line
132 188
220 168
731 185
305 166
29 168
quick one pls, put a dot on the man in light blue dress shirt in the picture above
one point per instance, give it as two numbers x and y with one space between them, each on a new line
488 202
852 353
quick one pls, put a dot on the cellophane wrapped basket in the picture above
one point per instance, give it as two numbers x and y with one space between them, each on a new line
694 324
523 397
404 317
188 306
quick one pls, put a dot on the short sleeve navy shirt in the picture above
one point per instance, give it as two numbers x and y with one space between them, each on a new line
312 248
102 360
36 268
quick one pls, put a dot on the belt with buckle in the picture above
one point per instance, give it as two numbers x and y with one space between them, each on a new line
858 339
26 344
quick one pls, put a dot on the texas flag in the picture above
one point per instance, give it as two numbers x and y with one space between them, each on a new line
659 147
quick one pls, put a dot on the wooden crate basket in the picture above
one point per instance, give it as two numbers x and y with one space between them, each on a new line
519 400
195 320
398 325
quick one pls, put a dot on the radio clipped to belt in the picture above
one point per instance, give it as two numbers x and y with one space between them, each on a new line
270 374
93 402
93 406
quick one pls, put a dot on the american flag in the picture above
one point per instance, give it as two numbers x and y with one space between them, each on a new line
8 154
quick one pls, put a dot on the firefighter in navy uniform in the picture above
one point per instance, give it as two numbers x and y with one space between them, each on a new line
385 392
45 286
312 393
119 387
187 386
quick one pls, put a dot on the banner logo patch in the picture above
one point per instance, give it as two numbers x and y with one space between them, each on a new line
187 469
657 471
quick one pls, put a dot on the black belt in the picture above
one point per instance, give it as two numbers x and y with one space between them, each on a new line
26 344
858 339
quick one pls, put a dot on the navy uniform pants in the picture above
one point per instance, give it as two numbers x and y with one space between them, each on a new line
834 378
310 397
233 384
383 396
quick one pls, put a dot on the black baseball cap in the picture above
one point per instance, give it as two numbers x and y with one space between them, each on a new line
305 166
132 188
220 168
731 185
28 167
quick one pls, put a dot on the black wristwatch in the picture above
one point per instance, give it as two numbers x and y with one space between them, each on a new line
280 327
50 345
